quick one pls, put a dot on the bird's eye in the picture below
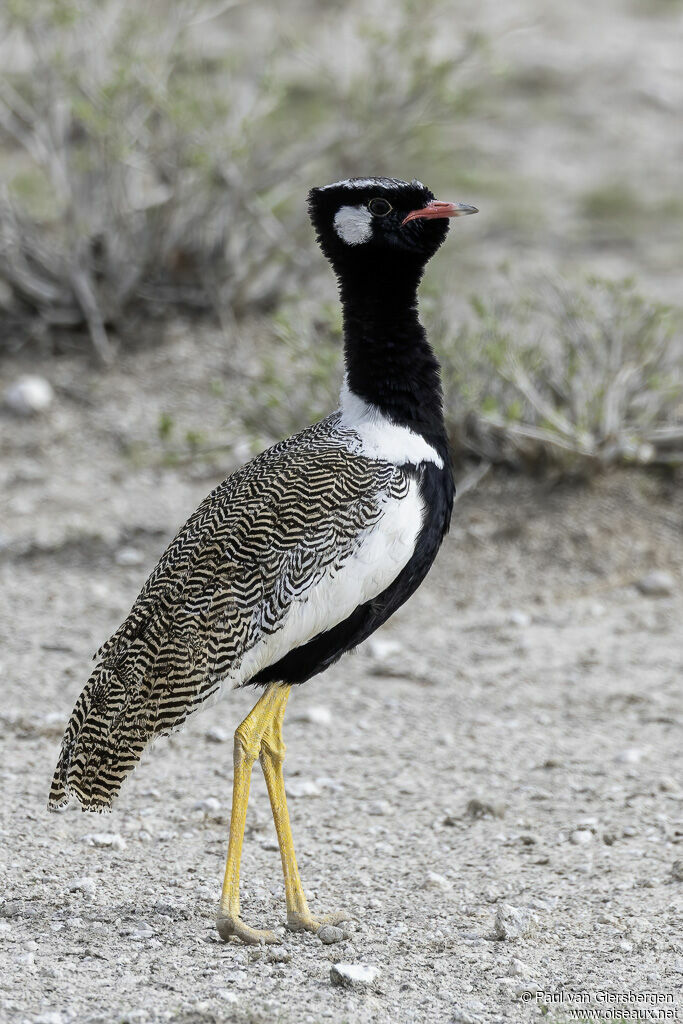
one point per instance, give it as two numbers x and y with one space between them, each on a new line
379 207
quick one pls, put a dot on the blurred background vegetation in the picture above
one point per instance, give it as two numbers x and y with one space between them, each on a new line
155 159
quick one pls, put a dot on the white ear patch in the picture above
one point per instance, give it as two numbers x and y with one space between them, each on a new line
353 224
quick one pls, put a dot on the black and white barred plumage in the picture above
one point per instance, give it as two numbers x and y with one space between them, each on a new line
289 545
303 552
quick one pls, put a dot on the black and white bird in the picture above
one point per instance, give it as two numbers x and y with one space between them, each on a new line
299 555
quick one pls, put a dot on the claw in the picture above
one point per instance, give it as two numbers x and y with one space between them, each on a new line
228 925
298 922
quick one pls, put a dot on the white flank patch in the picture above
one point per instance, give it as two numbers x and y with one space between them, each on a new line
353 224
381 438
382 552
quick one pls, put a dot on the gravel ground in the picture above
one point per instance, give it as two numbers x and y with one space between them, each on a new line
491 787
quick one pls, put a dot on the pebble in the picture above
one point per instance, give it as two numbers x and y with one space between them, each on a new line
581 836
226 996
29 395
378 808
436 881
358 976
105 840
84 885
631 755
519 618
657 583
209 806
485 809
329 934
302 787
50 1017
314 715
518 968
129 556
677 870
216 735
278 955
380 648
513 923
462 1016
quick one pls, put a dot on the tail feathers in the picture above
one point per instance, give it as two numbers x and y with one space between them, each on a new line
128 701
102 744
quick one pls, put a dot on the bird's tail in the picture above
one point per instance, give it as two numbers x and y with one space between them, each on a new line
103 742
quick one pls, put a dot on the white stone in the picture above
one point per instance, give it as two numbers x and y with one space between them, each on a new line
209 806
105 840
436 881
353 975
29 395
631 755
657 583
226 996
302 787
216 735
129 556
513 922
315 715
581 836
84 885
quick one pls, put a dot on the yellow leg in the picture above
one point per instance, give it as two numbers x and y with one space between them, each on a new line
248 737
272 755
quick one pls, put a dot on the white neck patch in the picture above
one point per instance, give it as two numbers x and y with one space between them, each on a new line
353 224
381 438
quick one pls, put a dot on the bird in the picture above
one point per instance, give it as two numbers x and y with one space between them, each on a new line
299 555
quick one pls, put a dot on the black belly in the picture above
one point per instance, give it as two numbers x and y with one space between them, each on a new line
437 492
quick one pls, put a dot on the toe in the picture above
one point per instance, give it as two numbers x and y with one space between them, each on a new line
298 922
229 925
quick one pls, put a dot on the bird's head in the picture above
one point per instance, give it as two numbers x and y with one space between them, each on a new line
369 222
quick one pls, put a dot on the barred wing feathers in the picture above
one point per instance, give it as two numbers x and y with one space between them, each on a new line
273 556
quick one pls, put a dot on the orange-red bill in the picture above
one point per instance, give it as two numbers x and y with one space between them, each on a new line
438 209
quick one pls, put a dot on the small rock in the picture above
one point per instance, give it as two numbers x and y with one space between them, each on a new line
436 881
484 809
29 395
209 806
519 618
329 934
278 955
513 923
49 1017
380 648
314 715
581 836
378 808
518 969
129 556
359 976
216 735
226 996
84 885
105 840
302 787
631 755
657 583
462 1016
677 870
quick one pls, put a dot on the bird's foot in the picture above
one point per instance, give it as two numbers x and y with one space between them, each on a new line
232 924
306 922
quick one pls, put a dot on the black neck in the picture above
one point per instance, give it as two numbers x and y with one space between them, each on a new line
389 361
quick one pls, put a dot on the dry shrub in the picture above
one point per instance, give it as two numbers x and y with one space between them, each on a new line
160 153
